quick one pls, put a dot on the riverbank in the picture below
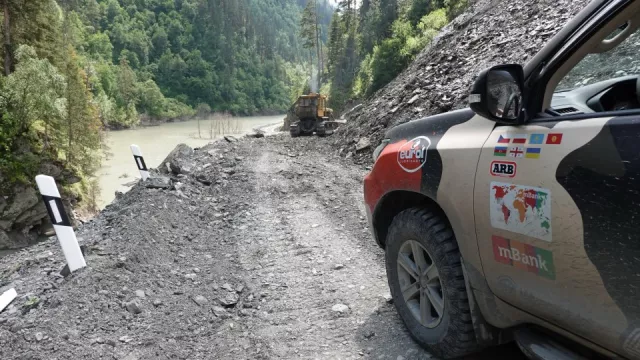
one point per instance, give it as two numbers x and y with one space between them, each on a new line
146 121
118 171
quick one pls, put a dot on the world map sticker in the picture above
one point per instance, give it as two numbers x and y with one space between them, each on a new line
521 209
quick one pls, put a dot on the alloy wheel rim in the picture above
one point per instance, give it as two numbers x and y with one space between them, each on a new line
420 284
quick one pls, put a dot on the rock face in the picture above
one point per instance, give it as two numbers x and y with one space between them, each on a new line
488 33
23 215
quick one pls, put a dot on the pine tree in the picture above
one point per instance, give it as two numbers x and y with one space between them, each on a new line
310 33
82 123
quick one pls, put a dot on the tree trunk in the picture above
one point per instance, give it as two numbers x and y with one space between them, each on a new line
318 47
7 38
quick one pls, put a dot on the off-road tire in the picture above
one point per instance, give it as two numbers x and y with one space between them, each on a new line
454 335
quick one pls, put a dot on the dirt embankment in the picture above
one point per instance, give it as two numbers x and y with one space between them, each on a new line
490 32
255 249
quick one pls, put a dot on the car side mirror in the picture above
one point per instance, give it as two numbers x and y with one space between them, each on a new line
497 94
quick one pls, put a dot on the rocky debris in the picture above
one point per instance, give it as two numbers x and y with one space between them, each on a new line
133 307
158 182
219 311
488 33
229 300
257 134
125 339
66 271
200 300
340 308
179 161
363 144
247 238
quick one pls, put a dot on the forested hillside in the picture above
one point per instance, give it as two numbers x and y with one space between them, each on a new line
240 56
72 68
372 41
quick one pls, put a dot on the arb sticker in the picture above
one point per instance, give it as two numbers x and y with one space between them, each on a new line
413 155
503 168
521 209
524 257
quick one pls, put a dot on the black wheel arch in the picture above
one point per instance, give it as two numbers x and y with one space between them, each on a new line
393 203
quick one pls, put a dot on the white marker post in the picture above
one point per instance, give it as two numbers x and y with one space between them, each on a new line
142 166
61 223
6 298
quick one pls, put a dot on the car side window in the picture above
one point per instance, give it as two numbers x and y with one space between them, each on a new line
620 61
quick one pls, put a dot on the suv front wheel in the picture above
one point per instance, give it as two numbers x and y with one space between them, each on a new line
427 284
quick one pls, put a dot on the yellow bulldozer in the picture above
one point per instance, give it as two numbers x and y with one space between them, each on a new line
312 116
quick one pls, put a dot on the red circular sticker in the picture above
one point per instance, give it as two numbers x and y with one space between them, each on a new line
413 155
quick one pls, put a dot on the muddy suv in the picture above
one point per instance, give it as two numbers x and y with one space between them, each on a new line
518 218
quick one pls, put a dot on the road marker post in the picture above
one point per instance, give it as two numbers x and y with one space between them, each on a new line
142 166
61 223
7 297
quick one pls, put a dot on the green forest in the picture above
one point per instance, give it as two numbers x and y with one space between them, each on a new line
371 41
72 68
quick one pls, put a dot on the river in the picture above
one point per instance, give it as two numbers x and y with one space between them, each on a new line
156 142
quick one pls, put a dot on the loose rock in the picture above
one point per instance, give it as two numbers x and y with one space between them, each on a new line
340 308
200 300
133 307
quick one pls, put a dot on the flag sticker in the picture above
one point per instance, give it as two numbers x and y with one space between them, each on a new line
516 152
520 139
503 140
500 151
533 153
536 139
554 139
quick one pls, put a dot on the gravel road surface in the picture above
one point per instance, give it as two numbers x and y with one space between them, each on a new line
259 250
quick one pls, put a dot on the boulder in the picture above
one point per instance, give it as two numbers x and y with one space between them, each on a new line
158 182
178 161
230 138
25 198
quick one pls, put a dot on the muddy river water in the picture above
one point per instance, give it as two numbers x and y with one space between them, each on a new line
156 142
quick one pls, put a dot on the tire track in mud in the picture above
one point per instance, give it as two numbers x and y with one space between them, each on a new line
309 248
312 251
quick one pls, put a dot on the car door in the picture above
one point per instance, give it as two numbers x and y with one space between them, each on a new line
557 205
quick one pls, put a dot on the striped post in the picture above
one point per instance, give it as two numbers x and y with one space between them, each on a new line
142 166
61 223
6 298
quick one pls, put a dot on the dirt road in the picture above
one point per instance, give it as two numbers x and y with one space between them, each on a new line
273 259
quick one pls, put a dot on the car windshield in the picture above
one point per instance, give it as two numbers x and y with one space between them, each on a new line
622 60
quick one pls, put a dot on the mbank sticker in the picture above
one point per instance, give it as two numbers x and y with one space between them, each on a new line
413 155
524 257
503 168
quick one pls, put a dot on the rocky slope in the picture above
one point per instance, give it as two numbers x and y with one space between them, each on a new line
251 250
489 33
